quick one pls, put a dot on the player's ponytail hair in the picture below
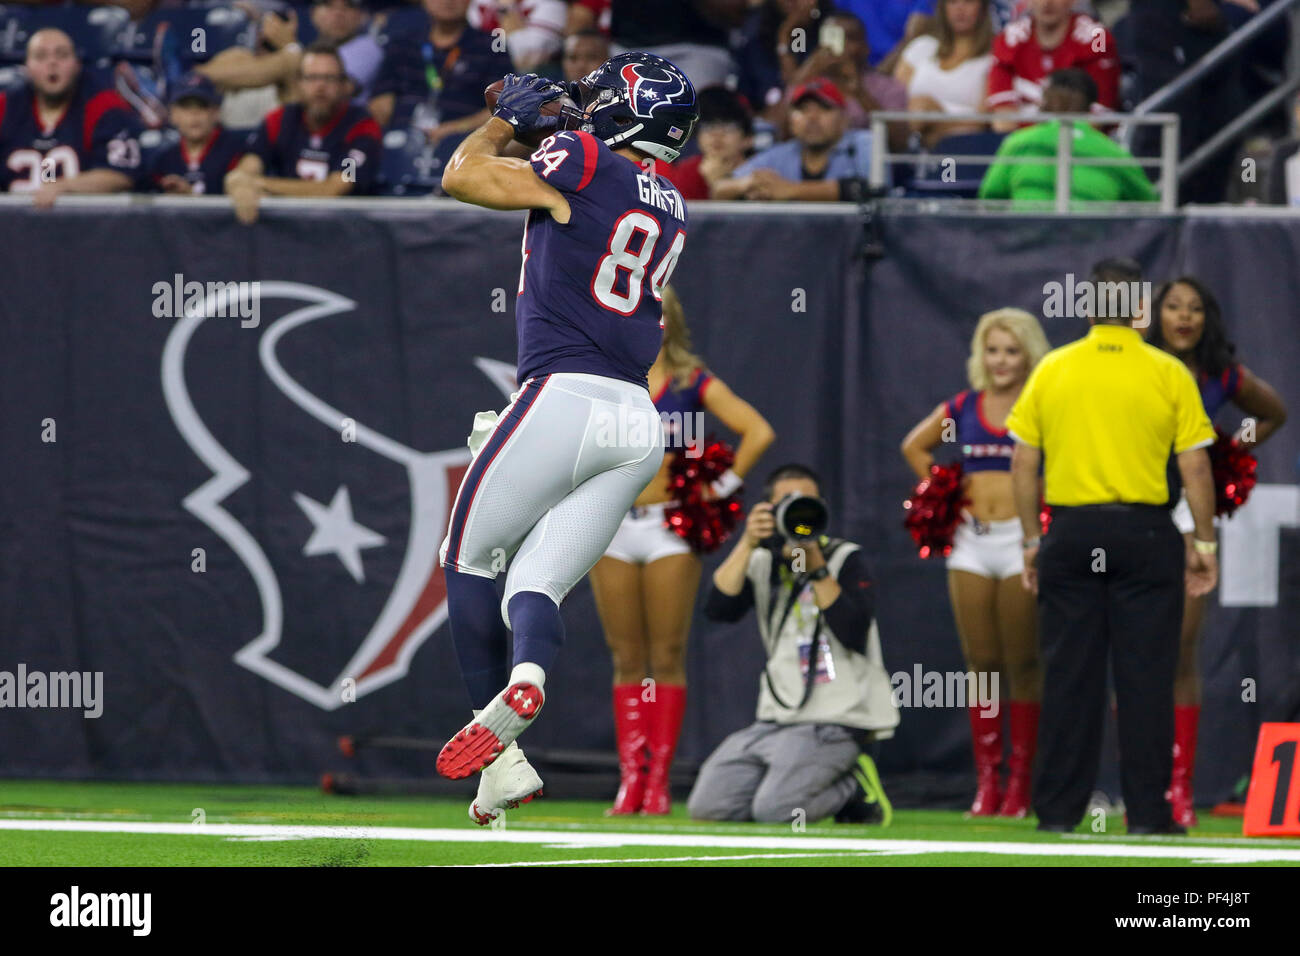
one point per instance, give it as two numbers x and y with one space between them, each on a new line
682 362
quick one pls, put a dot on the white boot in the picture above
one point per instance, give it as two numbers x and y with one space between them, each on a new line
508 782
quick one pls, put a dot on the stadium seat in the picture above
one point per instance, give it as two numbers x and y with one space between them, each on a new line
94 30
221 27
410 166
965 183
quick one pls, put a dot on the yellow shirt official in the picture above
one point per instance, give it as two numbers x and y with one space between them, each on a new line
1106 411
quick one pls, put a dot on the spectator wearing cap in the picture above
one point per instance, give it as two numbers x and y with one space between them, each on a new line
725 136
1067 91
533 29
197 163
584 52
948 71
440 68
822 162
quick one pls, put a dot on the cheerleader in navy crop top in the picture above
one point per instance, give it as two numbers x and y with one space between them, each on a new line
1189 324
645 585
995 615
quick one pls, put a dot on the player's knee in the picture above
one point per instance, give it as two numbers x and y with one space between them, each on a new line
705 805
773 808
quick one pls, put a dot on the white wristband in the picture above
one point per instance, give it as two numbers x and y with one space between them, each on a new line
1205 547
727 485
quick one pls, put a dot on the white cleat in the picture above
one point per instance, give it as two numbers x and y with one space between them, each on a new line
508 782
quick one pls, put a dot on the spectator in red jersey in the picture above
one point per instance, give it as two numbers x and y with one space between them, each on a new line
583 52
323 146
533 29
61 134
1051 38
725 135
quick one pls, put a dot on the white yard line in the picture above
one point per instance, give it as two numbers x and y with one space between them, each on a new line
1266 851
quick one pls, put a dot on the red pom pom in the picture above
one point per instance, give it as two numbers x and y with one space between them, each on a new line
1234 473
703 522
934 510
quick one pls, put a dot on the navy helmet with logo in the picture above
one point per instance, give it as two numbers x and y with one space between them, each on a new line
638 100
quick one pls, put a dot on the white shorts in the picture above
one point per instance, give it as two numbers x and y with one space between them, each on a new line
992 551
551 479
642 537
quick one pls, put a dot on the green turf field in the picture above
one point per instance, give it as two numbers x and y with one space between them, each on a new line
103 824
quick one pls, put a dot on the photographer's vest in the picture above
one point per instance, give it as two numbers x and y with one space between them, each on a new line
849 688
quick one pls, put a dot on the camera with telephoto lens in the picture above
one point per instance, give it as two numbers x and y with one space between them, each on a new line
801 516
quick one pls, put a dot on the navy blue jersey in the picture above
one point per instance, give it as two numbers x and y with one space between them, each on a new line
96 130
674 403
589 290
289 149
205 170
452 76
983 447
1218 390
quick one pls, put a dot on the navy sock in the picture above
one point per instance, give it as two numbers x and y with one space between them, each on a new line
478 634
539 632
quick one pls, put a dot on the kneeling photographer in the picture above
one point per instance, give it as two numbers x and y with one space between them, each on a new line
813 598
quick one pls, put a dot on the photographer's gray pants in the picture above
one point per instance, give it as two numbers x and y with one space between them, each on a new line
768 772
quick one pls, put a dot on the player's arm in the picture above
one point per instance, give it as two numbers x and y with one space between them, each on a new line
478 173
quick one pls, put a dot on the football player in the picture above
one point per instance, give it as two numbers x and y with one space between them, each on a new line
63 134
323 146
557 471
198 163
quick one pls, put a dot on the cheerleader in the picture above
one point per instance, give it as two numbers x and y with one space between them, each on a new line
1190 326
645 584
995 616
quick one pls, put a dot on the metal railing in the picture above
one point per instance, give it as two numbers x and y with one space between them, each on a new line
1064 160
1232 45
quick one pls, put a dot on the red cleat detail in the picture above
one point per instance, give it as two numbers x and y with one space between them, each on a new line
461 757
524 699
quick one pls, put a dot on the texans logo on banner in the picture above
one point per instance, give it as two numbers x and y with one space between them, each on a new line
339 527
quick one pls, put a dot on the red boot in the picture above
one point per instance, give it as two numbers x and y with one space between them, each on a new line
1179 794
630 714
986 734
665 726
1024 741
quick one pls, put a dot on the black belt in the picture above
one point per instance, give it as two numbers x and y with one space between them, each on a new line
1136 508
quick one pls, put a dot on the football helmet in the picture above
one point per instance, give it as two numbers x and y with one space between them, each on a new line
638 100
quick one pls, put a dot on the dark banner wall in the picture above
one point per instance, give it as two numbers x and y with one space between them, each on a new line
237 523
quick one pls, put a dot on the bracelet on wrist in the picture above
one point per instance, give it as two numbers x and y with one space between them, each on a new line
1205 547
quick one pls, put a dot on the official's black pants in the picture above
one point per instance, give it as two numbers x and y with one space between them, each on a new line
1110 583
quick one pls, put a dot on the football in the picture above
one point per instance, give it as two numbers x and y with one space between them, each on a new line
550 108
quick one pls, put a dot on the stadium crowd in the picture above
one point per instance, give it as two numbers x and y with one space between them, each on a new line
364 97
